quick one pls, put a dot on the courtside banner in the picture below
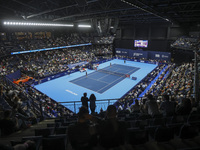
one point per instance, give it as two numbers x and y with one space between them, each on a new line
143 54
138 54
122 52
160 55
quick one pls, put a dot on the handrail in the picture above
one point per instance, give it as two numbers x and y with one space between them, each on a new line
96 100
74 104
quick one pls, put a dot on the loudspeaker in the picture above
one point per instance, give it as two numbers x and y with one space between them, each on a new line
116 23
102 26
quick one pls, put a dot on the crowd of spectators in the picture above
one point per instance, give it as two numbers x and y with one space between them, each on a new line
13 45
187 43
174 85
26 102
169 95
45 63
140 87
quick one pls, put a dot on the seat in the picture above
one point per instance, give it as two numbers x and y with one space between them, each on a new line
163 134
36 139
44 132
54 142
137 137
188 131
61 130
157 121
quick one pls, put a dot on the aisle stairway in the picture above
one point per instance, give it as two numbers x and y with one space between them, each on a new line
17 136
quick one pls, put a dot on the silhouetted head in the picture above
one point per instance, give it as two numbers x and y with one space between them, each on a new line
83 112
166 97
136 102
92 96
84 94
7 113
150 97
111 111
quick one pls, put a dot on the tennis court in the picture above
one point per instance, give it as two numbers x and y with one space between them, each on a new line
105 78
71 87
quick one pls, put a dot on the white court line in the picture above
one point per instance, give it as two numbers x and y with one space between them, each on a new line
86 88
101 78
114 81
107 74
80 78
111 83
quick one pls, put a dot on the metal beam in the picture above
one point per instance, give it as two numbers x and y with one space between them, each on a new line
53 10
25 5
93 13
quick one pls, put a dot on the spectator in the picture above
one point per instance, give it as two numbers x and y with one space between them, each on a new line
136 107
151 106
7 125
168 107
92 103
185 108
112 132
81 135
84 100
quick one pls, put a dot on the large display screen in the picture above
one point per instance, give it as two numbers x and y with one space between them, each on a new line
141 43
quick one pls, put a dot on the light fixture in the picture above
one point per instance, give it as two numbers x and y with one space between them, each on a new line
37 24
84 26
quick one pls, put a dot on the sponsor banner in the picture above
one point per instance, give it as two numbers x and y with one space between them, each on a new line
122 52
159 55
138 54
78 64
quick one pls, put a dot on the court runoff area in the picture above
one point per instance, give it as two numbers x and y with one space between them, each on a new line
111 80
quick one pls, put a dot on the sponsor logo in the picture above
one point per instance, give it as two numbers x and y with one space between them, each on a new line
164 56
137 54
118 51
157 55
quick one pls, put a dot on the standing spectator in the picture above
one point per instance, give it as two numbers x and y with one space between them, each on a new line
7 125
92 103
151 106
136 107
185 108
82 136
2 96
84 100
112 132
167 106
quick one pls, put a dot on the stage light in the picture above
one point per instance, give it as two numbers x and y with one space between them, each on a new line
84 26
37 24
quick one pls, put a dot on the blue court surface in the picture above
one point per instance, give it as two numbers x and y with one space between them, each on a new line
104 79
103 85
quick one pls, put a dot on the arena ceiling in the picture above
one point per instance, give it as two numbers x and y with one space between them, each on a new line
136 11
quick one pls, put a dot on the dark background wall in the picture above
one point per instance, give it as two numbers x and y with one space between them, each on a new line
159 36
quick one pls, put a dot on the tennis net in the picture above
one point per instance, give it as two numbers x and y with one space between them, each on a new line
113 73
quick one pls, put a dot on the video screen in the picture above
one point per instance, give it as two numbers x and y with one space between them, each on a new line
141 43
